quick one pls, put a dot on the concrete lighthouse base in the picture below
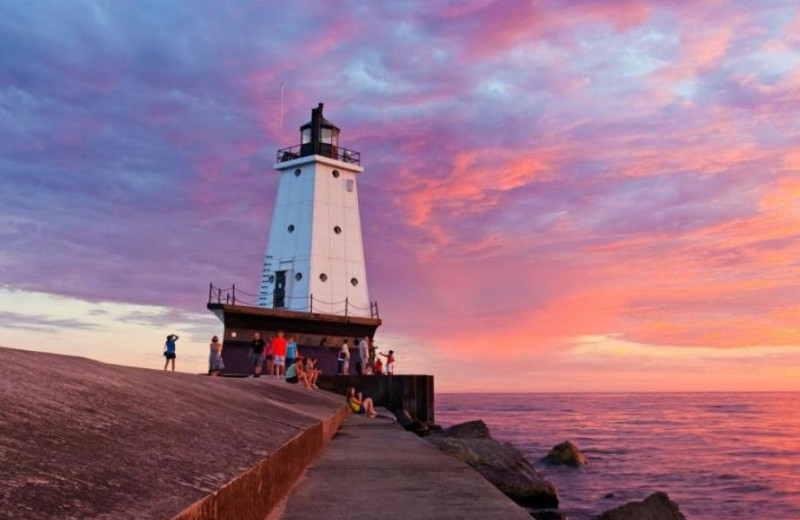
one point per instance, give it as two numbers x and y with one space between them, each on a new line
317 335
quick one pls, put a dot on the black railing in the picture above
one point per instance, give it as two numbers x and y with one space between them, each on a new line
233 296
326 150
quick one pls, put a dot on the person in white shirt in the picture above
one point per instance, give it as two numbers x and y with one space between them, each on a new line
361 366
344 359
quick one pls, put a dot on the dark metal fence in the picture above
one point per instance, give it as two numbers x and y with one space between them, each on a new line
233 296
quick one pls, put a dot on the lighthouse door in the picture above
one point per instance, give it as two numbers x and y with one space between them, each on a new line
279 296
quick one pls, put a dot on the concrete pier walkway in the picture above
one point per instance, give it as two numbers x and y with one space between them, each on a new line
374 469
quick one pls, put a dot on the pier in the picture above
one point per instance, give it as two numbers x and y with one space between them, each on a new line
84 439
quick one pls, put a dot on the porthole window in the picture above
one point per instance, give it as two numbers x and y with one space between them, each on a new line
323 277
297 172
337 230
271 278
290 229
335 174
353 281
298 276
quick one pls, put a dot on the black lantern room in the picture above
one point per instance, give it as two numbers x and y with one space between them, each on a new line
319 136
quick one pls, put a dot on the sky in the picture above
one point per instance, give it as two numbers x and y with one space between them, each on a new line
558 196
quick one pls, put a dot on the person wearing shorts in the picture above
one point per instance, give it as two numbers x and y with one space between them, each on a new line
257 347
360 405
279 354
169 351
296 374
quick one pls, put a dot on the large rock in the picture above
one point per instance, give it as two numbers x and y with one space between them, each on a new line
467 430
657 506
499 462
412 425
565 454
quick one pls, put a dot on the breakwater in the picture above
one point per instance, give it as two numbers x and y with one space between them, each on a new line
84 439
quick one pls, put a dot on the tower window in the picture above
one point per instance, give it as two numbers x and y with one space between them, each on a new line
353 281
323 277
337 230
290 229
297 172
298 276
351 185
335 174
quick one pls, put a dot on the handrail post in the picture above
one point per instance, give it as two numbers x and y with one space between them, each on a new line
346 305
219 295
210 290
311 304
234 294
377 313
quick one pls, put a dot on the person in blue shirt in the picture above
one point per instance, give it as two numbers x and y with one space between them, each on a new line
169 351
291 352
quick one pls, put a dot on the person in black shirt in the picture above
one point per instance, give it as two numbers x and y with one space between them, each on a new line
257 347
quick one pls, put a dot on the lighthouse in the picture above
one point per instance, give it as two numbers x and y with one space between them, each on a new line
315 254
313 282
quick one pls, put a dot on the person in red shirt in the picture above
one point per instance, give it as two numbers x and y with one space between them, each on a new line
279 354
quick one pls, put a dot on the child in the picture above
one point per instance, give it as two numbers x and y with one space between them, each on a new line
169 351
377 368
389 362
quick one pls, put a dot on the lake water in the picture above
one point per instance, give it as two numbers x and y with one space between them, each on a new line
718 455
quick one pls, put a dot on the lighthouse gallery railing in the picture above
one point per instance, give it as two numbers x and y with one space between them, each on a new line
233 296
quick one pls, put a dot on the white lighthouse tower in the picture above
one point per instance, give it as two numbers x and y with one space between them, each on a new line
315 254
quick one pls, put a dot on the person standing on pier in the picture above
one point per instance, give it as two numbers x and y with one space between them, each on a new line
215 364
291 352
257 353
343 359
169 351
279 354
361 365
389 362
373 355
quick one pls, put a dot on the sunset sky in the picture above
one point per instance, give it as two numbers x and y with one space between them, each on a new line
559 196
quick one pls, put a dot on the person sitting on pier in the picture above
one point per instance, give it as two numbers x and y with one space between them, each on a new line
311 367
295 373
377 368
360 405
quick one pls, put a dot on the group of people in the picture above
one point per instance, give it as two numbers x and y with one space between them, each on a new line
368 360
215 363
282 358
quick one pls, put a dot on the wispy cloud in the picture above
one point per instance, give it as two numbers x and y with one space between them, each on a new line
536 172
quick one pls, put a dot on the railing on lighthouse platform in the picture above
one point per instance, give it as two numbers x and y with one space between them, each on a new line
233 296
